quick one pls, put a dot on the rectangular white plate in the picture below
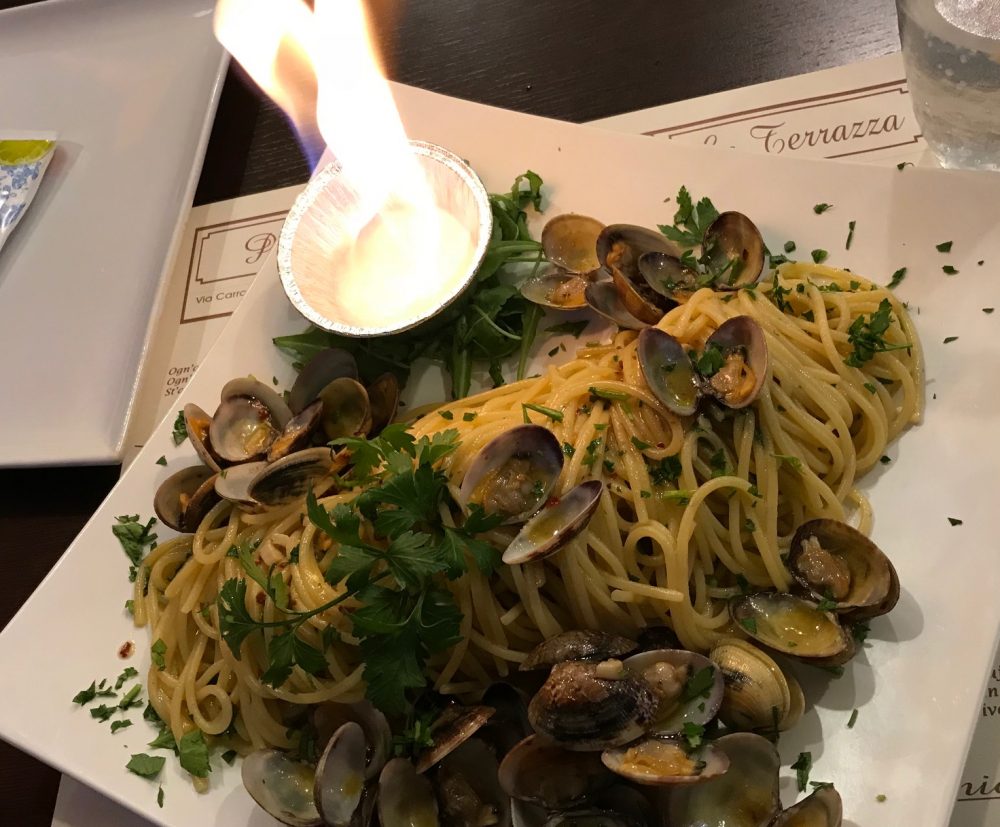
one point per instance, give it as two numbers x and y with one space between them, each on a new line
917 686
130 88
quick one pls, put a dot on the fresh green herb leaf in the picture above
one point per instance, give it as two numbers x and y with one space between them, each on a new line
718 463
850 236
868 386
568 449
789 247
573 329
954 521
943 247
693 734
610 395
639 444
819 209
819 256
666 471
131 698
867 336
134 537
121 724
193 753
802 767
949 339
159 798
948 270
162 461
148 766
699 685
159 649
103 712
711 360
165 740
129 672
85 696
446 415
179 432
897 278
691 220
853 719
826 605
788 459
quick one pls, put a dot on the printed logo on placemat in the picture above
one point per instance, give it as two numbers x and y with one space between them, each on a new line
836 125
224 259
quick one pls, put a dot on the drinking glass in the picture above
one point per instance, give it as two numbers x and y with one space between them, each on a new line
951 49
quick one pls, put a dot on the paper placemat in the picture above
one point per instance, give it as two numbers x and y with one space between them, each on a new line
859 113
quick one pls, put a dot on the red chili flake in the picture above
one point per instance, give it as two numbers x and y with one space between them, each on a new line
551 501
126 649
261 597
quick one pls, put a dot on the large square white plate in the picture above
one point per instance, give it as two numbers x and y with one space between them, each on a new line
917 686
130 89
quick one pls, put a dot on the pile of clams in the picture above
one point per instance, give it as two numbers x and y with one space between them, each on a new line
600 730
260 450
633 275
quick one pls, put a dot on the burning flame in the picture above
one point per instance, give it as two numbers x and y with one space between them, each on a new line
321 68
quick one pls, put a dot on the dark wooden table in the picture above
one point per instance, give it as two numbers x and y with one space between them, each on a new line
572 60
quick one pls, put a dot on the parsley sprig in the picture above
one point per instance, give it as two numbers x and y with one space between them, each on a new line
491 322
867 336
394 557
691 219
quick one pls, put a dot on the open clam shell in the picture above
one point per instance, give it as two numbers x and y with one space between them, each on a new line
734 251
383 399
328 717
233 484
317 373
792 626
757 694
242 428
297 432
346 408
641 300
744 796
668 371
249 388
742 349
831 560
621 245
340 776
197 423
578 710
663 761
406 798
821 809
603 298
292 477
468 787
555 525
688 687
282 786
514 473
577 644
550 776
556 289
454 727
184 498
668 275
570 242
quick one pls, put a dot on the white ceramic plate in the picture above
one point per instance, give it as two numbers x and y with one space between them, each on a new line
130 88
917 686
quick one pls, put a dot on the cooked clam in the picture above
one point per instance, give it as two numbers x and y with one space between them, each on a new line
579 710
406 798
742 362
733 251
688 687
290 478
556 289
791 625
745 796
603 298
297 432
757 695
282 786
821 809
621 246
833 561
555 525
514 473
468 788
246 387
570 241
184 498
668 371
317 373
346 408
590 818
233 483
657 637
454 727
577 644
197 422
668 275
663 761
242 428
383 398
328 717
340 775
548 775
509 724
879 609
639 298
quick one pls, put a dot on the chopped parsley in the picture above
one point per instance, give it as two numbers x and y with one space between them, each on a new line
590 456
193 753
551 413
568 449
718 463
157 652
699 685
987 310
446 415
468 416
117 725
131 698
667 470
789 247
884 459
943 247
750 624
868 336
850 234
162 461
611 396
639 444
853 719
954 521
693 734
859 631
135 538
778 294
159 798
691 220
819 256
868 386
148 766
788 459
948 270
880 798
897 278
103 712
950 339
819 209
711 360
802 767
180 430
85 696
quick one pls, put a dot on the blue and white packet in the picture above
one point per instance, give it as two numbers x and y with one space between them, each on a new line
22 165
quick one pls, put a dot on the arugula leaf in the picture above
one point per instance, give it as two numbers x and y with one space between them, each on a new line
148 766
193 753
180 431
532 195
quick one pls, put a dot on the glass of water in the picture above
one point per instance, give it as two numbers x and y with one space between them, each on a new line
951 49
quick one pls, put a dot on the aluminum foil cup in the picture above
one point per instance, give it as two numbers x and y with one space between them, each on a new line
324 217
